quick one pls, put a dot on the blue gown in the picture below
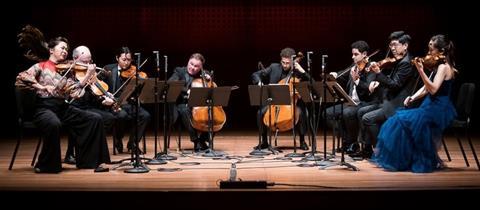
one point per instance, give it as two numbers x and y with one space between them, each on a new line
409 140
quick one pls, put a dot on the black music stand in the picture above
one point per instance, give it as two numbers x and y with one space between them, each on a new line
339 95
170 90
131 94
310 94
264 96
210 97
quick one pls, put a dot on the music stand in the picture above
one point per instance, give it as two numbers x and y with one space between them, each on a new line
210 97
131 92
309 94
340 95
264 96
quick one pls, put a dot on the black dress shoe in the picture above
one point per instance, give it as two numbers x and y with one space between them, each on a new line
261 146
352 148
100 169
69 159
303 145
364 154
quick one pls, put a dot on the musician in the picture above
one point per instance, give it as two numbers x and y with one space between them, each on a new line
355 81
272 75
101 105
53 113
125 117
192 71
398 82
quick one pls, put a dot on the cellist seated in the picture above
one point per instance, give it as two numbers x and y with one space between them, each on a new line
192 75
278 73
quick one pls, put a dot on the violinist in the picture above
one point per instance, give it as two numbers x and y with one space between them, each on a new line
125 117
192 71
90 102
355 81
408 140
396 82
53 113
272 75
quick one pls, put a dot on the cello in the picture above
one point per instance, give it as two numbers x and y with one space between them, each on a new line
200 119
282 115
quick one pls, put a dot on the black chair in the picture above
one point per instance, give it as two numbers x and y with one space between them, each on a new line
25 100
464 105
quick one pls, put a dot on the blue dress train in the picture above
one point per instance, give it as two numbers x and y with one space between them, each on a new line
409 140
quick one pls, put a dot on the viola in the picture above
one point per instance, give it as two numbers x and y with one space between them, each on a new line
200 113
131 73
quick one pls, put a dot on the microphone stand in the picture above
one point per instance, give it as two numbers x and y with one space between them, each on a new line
324 78
258 151
164 155
138 166
156 160
312 120
294 154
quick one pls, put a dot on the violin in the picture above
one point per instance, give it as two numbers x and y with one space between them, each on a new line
282 115
430 61
200 114
131 72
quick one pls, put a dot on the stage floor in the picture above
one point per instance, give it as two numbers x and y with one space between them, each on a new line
282 175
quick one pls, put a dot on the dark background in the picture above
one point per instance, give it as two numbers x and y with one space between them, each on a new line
234 36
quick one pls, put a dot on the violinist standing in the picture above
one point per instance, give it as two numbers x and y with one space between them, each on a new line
53 113
409 140
355 82
100 105
272 75
192 71
125 117
396 83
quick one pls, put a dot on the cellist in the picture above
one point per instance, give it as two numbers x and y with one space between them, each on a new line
191 72
274 74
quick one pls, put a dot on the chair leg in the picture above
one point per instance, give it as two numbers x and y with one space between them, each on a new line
180 137
15 151
446 149
36 151
461 148
472 148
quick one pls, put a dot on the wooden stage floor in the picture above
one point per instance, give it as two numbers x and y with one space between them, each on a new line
283 175
205 177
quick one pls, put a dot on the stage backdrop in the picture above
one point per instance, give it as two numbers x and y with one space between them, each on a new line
234 36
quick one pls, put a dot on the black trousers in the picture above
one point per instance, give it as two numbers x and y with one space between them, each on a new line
300 127
348 125
185 113
372 120
108 121
125 121
53 115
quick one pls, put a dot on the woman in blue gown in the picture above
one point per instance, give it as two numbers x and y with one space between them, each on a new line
409 140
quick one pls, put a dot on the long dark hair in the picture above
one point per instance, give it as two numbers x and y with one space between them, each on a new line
31 39
445 45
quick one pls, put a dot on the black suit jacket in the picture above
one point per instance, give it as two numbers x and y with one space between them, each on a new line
274 73
181 74
399 84
112 78
346 81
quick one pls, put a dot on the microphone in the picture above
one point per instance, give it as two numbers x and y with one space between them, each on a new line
157 59
308 60
166 63
324 63
138 60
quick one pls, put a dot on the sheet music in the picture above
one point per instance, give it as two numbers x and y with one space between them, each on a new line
337 89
